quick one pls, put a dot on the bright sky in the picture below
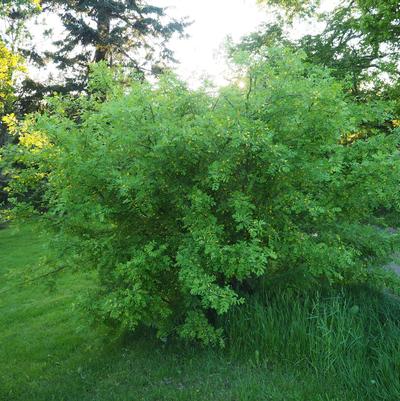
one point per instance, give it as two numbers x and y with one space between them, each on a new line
213 21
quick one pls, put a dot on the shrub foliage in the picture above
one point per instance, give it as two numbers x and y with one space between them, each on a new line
186 203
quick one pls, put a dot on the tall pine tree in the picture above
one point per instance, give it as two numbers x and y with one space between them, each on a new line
130 33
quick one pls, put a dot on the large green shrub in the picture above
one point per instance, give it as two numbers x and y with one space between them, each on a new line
186 203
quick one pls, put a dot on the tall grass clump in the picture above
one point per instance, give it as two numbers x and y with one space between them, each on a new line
349 338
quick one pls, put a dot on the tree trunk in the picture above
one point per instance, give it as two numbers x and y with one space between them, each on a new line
103 33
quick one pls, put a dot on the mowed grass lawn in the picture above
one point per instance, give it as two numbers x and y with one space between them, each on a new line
48 350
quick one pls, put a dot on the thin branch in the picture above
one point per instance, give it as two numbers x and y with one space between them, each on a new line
32 280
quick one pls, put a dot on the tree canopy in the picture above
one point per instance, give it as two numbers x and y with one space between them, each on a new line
360 43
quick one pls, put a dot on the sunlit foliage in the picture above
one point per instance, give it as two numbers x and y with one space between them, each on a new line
9 64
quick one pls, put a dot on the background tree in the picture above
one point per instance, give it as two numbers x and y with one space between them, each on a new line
360 42
294 7
130 33
17 37
10 64
14 15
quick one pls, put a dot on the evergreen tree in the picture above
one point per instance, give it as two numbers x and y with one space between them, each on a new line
130 33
